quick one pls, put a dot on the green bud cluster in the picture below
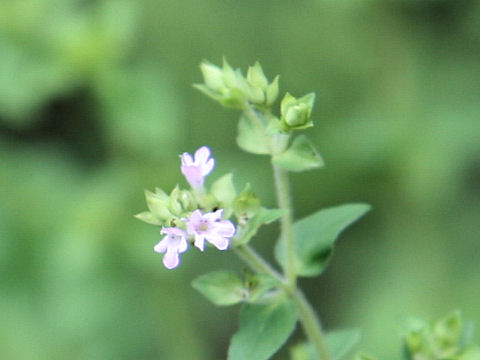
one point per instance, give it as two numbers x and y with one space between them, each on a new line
449 338
166 210
232 89
260 131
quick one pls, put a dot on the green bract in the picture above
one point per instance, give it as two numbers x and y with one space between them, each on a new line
225 193
252 137
300 156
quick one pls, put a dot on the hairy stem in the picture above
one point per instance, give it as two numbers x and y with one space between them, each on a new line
256 262
282 186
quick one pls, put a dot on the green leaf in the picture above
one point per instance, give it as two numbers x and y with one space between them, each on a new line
260 284
301 156
363 356
472 353
316 234
263 330
223 288
341 342
248 230
251 138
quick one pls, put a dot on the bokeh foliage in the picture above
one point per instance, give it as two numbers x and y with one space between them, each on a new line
96 103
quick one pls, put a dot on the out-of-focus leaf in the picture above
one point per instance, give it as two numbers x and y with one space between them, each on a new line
263 330
223 288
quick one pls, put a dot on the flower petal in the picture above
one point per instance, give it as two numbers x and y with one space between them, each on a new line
182 246
225 228
161 246
208 167
174 231
186 159
171 259
220 242
201 155
199 241
214 216
194 176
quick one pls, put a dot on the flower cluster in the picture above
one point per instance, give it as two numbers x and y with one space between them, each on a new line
183 216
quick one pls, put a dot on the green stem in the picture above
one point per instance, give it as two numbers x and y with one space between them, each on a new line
311 325
256 262
308 318
282 186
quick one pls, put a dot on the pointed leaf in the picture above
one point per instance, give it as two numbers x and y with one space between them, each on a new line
301 156
263 330
223 288
147 217
316 234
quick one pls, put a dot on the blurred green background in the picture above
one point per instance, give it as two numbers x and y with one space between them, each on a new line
96 104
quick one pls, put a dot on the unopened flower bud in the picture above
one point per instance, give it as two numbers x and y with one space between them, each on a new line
158 203
296 112
212 76
256 77
174 204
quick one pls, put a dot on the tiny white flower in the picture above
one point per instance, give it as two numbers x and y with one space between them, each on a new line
173 243
197 168
210 227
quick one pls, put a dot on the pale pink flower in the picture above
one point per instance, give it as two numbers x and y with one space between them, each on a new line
173 243
197 168
210 227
